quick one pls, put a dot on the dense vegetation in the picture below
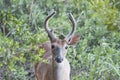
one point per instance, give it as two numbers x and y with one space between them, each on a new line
97 55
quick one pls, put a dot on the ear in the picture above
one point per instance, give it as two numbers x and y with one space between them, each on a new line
74 40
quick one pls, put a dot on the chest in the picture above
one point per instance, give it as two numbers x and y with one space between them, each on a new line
62 71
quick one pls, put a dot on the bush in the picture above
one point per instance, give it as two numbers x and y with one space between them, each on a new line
96 57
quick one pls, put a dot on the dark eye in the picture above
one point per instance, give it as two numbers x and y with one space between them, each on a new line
53 46
66 47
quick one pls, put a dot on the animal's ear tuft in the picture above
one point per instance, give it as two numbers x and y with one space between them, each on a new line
74 40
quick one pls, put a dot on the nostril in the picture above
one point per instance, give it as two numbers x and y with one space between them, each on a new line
59 60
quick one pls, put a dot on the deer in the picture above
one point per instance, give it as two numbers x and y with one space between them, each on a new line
58 67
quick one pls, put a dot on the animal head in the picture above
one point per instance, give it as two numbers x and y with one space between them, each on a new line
59 46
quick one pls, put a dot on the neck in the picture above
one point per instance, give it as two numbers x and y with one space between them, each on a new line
61 71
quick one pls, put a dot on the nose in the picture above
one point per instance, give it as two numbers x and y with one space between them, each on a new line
59 59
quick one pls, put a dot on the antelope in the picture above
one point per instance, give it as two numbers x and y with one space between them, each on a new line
58 67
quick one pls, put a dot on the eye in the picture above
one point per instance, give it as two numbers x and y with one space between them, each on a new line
69 40
53 46
66 47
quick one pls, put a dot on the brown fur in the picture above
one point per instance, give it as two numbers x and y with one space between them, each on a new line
58 67
54 70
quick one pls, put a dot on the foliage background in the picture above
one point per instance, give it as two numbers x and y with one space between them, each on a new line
96 57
